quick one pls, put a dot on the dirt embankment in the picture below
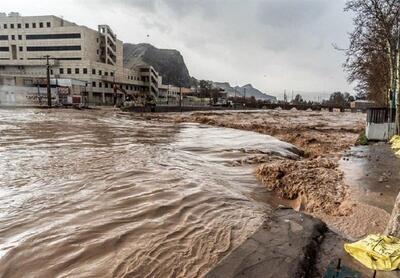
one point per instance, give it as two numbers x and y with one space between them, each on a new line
317 133
315 183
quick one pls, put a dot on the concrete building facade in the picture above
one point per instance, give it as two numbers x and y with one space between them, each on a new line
76 52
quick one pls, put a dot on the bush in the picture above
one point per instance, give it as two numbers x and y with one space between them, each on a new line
362 139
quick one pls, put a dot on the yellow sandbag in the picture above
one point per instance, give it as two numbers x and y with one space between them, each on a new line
394 139
376 252
395 142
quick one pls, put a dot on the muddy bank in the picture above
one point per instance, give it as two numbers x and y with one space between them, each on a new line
317 133
315 183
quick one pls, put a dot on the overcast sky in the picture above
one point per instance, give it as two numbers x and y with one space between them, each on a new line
273 44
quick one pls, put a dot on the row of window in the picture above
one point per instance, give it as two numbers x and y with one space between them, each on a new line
45 48
54 48
107 85
53 36
84 71
59 59
42 36
133 78
27 25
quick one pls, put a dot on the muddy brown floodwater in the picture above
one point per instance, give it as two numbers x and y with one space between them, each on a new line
106 194
317 184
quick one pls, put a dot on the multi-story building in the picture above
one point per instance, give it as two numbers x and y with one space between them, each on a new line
76 52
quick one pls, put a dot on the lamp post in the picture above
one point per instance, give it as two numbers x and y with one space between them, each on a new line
47 57
180 98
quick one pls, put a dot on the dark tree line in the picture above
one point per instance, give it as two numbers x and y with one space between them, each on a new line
338 99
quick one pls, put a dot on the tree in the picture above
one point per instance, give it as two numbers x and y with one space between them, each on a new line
373 55
298 99
205 88
337 99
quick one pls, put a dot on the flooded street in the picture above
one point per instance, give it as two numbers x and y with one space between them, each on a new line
101 194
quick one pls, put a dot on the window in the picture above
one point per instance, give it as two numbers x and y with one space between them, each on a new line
106 85
5 26
100 84
48 24
27 25
111 73
69 59
28 82
12 26
97 40
20 37
85 71
41 24
53 36
100 72
106 73
69 70
21 49
3 38
4 49
76 71
51 72
19 26
93 84
54 48
13 37
33 25
93 71
61 71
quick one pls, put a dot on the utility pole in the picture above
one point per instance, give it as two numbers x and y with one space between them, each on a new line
48 80
285 97
397 86
180 98
115 94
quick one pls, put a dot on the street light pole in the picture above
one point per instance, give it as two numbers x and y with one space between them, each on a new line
48 80
180 98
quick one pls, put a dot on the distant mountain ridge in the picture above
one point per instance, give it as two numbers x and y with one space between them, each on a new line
248 89
170 64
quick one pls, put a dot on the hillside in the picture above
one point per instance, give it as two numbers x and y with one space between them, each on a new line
168 62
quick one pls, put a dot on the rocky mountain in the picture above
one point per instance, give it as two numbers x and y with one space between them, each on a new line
168 62
248 89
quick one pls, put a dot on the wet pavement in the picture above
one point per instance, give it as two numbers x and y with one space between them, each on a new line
373 174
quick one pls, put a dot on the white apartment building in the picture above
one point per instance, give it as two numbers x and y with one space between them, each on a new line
76 52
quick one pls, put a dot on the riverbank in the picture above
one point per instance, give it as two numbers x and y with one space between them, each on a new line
314 184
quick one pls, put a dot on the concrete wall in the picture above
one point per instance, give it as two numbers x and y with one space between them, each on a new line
380 132
24 96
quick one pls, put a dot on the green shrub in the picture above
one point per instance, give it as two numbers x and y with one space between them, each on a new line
362 139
